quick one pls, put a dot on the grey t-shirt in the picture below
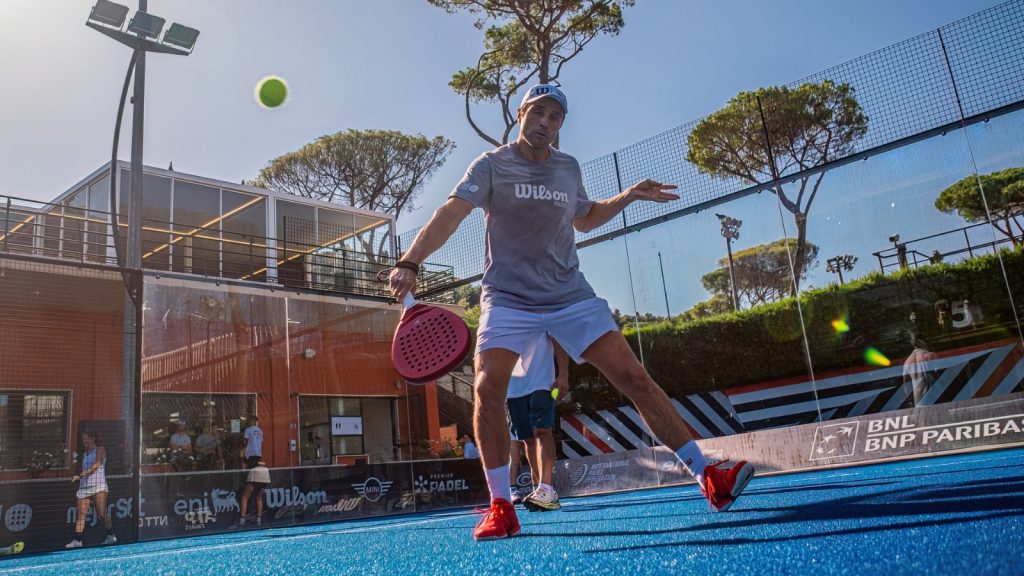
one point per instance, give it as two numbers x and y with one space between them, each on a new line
530 261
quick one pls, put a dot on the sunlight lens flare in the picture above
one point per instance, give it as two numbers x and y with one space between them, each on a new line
840 326
875 358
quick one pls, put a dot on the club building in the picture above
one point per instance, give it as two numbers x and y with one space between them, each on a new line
254 303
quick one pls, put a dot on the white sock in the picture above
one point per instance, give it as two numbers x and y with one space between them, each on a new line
693 460
543 486
498 483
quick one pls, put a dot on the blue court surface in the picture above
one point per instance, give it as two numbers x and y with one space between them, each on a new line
945 515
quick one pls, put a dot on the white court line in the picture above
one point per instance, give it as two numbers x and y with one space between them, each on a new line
260 541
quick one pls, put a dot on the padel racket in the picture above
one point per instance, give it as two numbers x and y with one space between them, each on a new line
429 342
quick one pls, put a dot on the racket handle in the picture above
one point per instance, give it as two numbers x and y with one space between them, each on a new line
408 301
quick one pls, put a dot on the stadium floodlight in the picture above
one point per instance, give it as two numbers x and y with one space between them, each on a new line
146 25
837 264
108 13
181 36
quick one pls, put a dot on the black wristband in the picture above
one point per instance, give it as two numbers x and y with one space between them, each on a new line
408 265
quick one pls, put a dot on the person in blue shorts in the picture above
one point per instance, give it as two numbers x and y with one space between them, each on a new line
534 202
531 415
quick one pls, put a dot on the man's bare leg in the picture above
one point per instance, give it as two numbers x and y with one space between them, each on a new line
544 440
515 457
493 371
533 458
615 359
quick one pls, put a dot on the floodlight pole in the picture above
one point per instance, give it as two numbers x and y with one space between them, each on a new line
732 277
134 246
135 199
140 44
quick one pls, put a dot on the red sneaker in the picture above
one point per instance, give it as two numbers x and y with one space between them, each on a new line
499 522
723 483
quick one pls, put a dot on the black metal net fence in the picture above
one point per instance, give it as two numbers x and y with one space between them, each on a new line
959 74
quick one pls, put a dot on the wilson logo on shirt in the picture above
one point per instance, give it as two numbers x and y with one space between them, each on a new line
540 192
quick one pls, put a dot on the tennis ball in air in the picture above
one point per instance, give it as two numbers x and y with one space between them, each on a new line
271 92
554 393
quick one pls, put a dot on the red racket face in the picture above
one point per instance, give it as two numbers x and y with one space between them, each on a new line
428 343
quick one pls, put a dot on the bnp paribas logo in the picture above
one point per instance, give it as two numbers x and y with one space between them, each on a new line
834 440
372 488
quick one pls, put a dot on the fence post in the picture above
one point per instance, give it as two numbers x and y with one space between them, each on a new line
7 223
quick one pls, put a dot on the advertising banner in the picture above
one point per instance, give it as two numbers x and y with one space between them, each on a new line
211 502
922 430
42 514
448 484
177 505
606 473
917 431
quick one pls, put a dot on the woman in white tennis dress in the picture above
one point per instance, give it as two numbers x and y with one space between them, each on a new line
92 486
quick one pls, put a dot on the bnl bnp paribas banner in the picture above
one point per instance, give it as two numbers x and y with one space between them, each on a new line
211 502
981 423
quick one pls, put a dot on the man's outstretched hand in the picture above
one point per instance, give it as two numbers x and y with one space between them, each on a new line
653 191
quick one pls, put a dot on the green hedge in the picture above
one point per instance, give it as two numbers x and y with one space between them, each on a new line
766 344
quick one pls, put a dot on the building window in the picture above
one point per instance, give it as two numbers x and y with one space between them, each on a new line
33 430
213 424
330 426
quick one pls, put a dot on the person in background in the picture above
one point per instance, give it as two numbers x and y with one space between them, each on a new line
917 367
207 448
257 481
252 443
180 440
469 450
92 486
180 445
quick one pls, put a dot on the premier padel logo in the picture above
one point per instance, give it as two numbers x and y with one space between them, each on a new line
439 482
373 489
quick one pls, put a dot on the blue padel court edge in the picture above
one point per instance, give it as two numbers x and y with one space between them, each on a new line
959 514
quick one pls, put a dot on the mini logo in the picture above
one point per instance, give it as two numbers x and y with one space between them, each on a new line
372 489
578 474
18 517
834 441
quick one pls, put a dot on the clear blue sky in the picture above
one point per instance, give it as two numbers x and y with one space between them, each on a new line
385 64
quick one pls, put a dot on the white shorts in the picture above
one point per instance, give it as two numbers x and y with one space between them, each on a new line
575 328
